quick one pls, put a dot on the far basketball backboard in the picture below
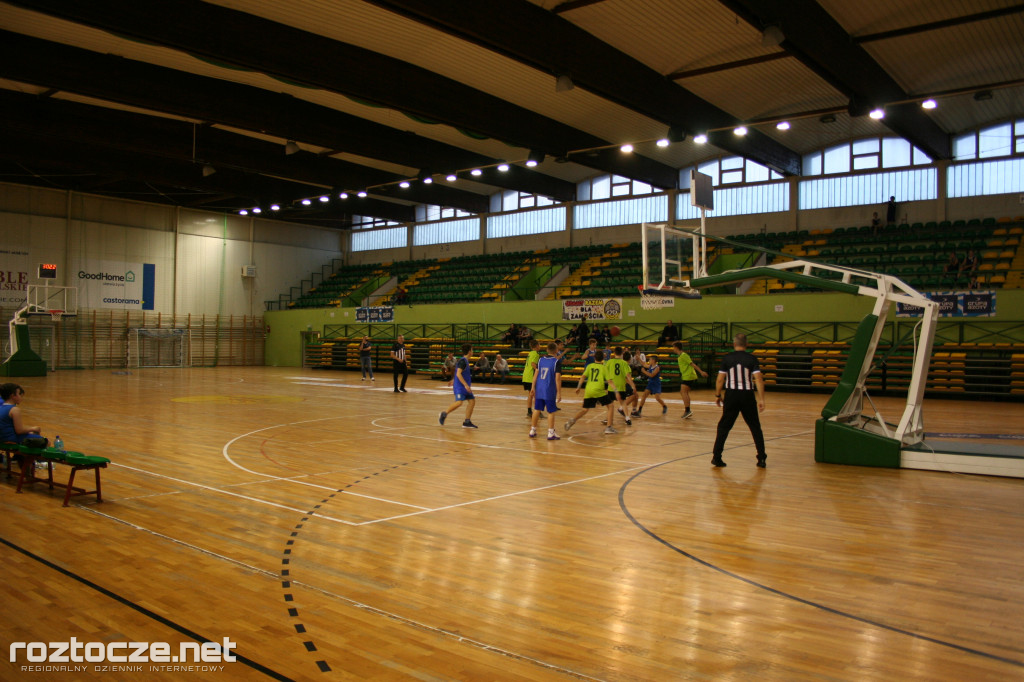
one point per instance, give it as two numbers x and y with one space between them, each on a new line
45 299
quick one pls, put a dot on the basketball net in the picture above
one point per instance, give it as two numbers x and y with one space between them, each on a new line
55 315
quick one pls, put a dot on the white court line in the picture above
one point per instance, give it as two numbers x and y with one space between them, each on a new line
505 447
244 497
285 479
403 620
520 492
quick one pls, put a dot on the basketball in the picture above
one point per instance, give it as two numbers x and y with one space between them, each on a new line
614 331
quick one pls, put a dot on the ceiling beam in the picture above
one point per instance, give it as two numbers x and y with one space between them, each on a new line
814 37
245 40
248 189
155 88
176 139
545 41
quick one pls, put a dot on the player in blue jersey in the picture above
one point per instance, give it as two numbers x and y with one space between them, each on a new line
652 370
590 354
547 390
462 385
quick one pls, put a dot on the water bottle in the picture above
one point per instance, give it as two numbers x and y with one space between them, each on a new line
58 444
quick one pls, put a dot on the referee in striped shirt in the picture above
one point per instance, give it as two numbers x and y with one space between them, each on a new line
741 382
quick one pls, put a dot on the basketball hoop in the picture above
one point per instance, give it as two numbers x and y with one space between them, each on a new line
55 315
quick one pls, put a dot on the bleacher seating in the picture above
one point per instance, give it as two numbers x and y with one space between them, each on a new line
915 253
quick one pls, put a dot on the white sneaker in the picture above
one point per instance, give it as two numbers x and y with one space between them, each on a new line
533 433
610 430
552 435
569 423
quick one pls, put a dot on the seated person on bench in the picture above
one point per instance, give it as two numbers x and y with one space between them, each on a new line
12 427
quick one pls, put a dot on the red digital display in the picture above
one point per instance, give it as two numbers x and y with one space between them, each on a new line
47 271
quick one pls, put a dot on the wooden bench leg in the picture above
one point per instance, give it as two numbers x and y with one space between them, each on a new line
72 490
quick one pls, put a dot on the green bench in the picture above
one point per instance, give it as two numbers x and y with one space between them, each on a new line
50 456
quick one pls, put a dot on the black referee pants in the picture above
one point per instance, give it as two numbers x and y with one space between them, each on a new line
399 369
735 404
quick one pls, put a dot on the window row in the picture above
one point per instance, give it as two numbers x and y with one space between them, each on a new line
980 178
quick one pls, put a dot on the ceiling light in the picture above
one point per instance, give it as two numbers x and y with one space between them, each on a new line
564 84
530 163
700 139
626 148
275 207
782 125
428 180
325 198
503 167
362 195
663 142
404 184
452 177
306 202
343 195
208 170
740 130
534 158
877 114
476 172
243 212
257 210
290 147
929 104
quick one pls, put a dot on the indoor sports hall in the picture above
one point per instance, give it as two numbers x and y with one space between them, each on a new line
247 249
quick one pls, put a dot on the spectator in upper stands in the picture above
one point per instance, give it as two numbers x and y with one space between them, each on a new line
500 368
876 223
668 334
448 367
890 211
401 296
952 269
969 265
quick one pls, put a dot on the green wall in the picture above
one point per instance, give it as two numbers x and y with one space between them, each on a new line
283 344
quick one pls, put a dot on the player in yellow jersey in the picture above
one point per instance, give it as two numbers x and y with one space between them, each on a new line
528 371
621 374
598 383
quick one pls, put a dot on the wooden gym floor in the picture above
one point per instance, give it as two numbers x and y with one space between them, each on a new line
333 530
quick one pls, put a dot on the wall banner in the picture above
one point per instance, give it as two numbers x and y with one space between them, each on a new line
955 304
375 314
14 276
113 284
592 308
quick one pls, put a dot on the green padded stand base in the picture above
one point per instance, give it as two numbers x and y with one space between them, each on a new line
25 362
836 443
23 368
